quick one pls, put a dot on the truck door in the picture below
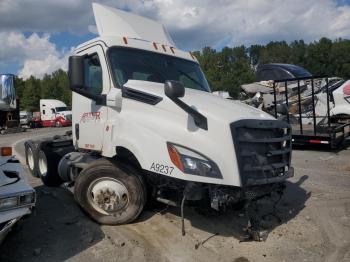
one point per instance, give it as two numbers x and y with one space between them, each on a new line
88 117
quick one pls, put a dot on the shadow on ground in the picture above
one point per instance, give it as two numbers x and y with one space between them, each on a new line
56 230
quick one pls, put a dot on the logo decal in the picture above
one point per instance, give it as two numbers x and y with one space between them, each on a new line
90 116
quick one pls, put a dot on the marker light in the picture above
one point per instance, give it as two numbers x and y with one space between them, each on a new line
175 157
191 162
155 46
125 40
5 151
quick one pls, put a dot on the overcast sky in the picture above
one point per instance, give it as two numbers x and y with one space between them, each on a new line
37 36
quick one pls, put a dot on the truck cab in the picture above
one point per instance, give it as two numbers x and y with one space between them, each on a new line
145 123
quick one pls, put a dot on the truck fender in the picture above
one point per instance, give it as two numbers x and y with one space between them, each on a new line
138 140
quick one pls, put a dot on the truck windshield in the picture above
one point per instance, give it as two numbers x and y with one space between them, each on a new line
61 108
150 66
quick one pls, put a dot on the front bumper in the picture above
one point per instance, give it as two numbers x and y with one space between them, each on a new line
14 185
6 227
262 181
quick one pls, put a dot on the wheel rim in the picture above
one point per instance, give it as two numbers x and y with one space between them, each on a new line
42 164
108 195
30 158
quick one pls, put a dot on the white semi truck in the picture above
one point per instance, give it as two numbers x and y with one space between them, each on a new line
54 112
146 124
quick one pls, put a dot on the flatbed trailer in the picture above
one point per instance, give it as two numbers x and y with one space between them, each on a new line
309 125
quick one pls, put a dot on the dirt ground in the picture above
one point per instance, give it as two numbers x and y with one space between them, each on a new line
315 223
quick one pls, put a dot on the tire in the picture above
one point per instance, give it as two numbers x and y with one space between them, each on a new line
48 167
58 124
32 158
112 193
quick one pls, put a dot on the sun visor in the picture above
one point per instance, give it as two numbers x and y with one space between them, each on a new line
115 22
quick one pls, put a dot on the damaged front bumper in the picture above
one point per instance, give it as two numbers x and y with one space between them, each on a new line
17 197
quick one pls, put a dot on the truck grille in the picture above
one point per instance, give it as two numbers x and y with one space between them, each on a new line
263 150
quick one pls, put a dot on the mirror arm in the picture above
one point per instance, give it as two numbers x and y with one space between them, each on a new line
200 120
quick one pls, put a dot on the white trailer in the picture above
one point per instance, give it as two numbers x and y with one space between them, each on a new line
146 124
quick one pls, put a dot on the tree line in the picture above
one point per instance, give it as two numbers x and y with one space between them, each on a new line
51 86
229 68
225 70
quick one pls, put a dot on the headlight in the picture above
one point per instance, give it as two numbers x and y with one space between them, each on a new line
17 201
8 203
191 162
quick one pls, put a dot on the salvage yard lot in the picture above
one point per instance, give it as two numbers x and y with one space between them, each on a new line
316 225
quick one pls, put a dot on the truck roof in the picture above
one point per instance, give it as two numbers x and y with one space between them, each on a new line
119 28
114 22
52 103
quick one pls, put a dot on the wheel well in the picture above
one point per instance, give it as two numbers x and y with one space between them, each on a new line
126 155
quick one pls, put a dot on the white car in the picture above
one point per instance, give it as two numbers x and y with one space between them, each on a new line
17 197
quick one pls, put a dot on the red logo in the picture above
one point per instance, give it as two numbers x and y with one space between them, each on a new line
90 116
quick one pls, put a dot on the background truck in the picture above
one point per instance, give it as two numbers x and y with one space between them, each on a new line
53 113
9 106
26 118
145 125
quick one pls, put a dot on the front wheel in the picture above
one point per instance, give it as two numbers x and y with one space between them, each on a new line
110 192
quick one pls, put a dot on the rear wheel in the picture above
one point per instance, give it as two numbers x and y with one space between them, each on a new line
47 168
58 124
110 192
31 158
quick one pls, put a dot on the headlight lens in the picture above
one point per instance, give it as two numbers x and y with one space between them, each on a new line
8 203
191 162
17 201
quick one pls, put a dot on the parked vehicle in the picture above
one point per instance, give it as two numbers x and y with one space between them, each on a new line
319 117
9 106
146 124
26 118
318 107
277 71
53 113
17 197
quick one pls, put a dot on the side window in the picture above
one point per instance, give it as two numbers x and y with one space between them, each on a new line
43 112
93 74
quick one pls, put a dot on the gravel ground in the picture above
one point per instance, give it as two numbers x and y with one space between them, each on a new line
315 223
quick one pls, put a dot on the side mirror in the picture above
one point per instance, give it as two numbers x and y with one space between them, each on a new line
76 73
174 89
282 109
7 88
77 80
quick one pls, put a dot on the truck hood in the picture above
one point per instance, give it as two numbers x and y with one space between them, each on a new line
208 104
